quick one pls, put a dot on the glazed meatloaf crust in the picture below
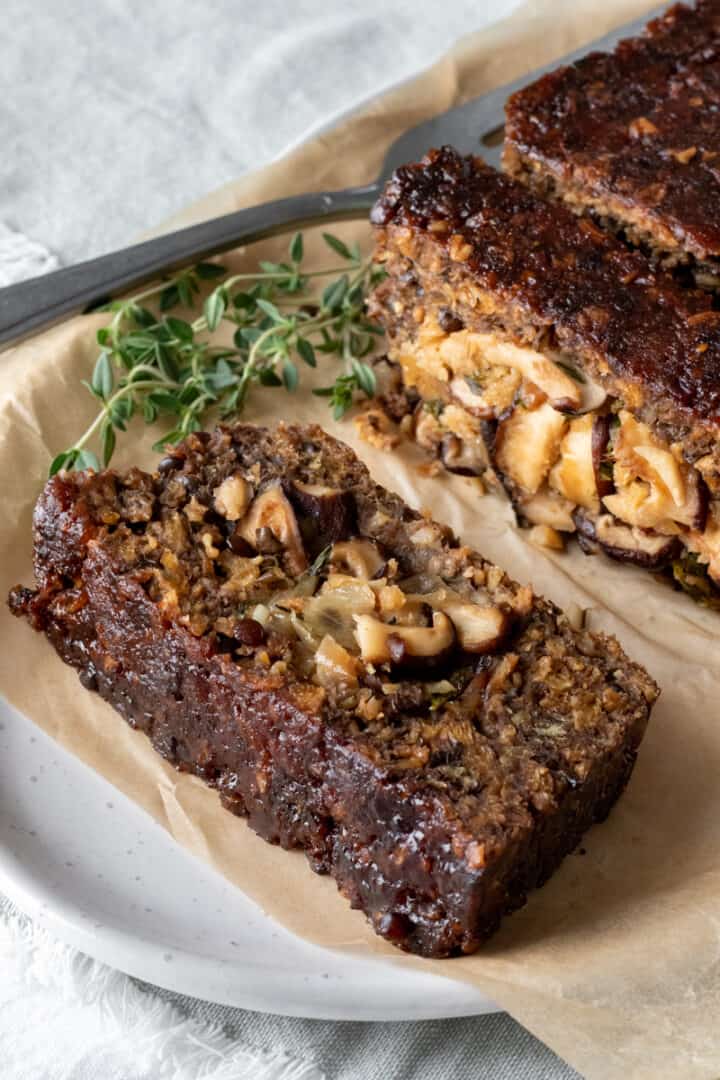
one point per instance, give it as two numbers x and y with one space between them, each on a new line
546 352
633 137
342 670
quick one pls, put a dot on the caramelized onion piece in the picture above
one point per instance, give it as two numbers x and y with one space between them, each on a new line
332 610
334 665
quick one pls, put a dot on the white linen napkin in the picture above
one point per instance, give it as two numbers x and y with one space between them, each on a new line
64 1016
21 257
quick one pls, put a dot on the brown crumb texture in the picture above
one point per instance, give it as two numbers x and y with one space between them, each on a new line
351 678
632 137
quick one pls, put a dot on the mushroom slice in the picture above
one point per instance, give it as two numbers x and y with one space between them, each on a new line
655 488
644 506
539 369
585 531
563 391
527 445
479 629
330 510
602 463
272 511
360 557
381 643
574 474
592 394
624 543
334 665
463 457
402 608
667 469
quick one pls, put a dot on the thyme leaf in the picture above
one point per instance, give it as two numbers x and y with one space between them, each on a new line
160 365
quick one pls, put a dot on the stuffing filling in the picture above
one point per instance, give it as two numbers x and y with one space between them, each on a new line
573 460
281 579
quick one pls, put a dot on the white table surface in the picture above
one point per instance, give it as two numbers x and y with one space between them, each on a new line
114 114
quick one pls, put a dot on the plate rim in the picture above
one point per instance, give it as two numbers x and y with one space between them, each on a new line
139 957
238 982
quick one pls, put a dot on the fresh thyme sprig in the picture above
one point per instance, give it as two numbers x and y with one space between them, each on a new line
160 366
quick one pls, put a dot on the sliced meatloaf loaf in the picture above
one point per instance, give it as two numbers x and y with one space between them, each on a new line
346 673
632 137
548 354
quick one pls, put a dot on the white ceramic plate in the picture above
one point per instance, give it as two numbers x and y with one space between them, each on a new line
97 871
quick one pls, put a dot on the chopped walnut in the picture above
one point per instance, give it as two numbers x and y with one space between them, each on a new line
195 511
546 536
502 673
684 156
207 542
232 497
475 855
460 250
641 127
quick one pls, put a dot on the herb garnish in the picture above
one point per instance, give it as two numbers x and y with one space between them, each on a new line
159 366
434 407
571 371
692 577
319 561
475 382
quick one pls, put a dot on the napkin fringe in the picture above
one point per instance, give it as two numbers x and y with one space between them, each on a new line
113 1020
21 257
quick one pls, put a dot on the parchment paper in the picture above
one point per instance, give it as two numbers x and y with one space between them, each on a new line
616 962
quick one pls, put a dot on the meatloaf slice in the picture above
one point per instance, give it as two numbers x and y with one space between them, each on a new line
342 670
546 351
632 137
